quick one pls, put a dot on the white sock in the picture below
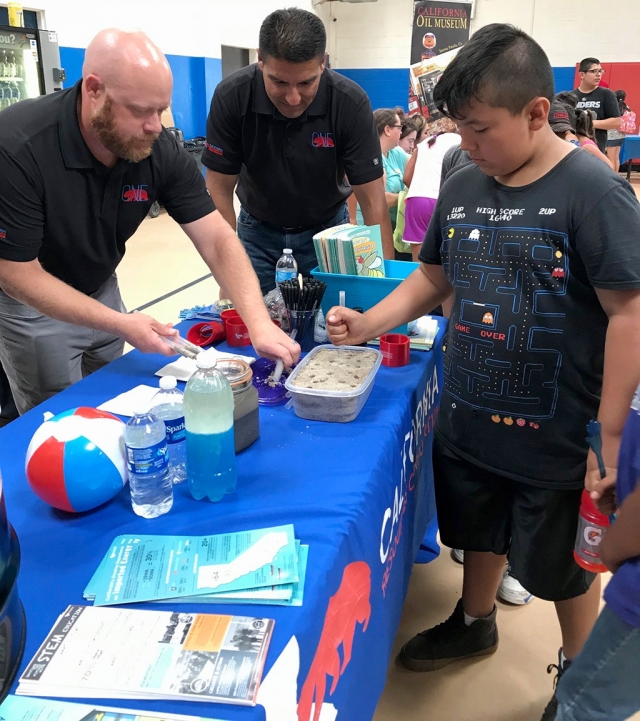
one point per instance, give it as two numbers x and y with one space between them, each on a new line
468 620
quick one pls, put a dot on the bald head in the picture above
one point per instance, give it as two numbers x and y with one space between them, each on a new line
119 57
126 85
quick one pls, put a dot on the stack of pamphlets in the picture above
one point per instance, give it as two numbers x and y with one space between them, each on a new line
263 566
134 654
16 708
350 250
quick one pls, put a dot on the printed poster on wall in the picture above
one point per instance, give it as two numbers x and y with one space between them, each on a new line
440 29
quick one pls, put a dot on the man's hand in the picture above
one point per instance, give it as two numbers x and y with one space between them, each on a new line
601 490
271 342
143 332
347 327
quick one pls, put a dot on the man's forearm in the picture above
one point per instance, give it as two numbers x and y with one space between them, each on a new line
607 124
30 284
373 205
221 190
620 380
231 267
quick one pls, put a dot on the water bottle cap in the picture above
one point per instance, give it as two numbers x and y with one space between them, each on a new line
141 409
205 361
168 382
287 251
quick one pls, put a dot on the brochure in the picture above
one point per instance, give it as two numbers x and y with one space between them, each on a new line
16 708
149 568
138 654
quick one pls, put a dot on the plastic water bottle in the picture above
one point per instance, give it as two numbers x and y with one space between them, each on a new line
208 417
286 267
148 464
167 406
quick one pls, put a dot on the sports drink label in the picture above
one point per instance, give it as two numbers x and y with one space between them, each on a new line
588 540
176 432
145 461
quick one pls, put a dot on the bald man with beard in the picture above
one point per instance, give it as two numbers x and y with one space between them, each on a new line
79 170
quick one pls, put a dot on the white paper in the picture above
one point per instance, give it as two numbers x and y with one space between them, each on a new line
183 368
126 403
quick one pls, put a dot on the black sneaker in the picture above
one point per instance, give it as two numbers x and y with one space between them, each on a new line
450 641
552 707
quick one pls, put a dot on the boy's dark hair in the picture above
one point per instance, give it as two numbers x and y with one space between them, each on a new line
293 35
501 66
384 117
587 63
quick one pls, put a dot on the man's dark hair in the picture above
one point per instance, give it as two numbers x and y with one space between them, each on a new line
501 66
294 35
587 63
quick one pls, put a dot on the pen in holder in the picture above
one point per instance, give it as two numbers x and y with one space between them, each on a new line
303 305
304 323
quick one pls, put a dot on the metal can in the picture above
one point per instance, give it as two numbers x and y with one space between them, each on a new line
246 418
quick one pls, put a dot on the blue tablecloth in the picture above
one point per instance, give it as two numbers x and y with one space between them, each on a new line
360 494
630 148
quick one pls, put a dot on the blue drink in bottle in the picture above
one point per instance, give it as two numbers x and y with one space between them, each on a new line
208 417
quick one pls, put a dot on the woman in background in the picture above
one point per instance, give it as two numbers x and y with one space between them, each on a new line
408 135
394 160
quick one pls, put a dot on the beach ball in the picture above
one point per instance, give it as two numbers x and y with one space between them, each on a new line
76 460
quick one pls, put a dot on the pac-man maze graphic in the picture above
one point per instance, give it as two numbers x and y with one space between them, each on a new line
505 337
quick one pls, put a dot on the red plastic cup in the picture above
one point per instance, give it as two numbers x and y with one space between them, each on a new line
237 332
395 349
203 334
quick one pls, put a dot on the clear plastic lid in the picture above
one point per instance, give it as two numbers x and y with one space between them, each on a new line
167 383
204 361
237 372
287 251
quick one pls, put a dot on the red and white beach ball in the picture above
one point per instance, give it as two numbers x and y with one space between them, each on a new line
76 460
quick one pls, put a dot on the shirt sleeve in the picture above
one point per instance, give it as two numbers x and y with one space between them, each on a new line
430 250
611 107
184 194
223 149
21 211
607 240
360 145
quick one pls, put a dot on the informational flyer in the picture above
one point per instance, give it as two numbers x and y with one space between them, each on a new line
138 654
16 708
149 568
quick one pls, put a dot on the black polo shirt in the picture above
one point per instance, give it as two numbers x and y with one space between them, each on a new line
62 206
292 172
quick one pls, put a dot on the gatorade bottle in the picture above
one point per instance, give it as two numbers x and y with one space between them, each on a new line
208 418
286 267
592 525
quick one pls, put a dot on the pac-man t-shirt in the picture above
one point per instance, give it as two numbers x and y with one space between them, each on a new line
59 204
524 350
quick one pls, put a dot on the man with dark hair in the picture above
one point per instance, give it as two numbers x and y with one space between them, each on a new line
601 100
289 132
538 243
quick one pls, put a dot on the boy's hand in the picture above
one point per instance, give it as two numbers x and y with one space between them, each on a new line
601 490
347 327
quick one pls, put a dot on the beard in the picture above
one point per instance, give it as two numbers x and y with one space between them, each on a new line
133 149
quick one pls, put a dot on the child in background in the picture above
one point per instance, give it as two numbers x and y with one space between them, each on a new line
602 683
586 134
540 249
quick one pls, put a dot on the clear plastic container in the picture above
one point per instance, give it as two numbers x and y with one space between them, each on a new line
286 267
246 418
336 406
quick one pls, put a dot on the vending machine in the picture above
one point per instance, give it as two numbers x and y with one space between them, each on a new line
29 64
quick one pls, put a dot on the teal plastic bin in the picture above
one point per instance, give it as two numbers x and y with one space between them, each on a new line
362 291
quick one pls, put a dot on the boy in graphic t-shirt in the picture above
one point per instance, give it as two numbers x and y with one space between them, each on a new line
592 96
539 242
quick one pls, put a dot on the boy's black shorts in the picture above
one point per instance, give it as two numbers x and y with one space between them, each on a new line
479 510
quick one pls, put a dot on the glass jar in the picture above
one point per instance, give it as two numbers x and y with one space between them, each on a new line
246 420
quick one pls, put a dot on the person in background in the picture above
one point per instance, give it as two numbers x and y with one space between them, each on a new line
79 170
421 126
394 160
422 176
602 681
408 135
289 132
615 138
578 132
585 134
591 96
